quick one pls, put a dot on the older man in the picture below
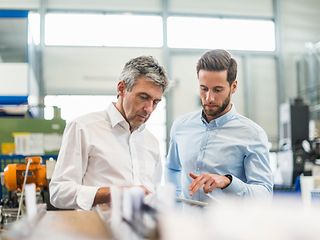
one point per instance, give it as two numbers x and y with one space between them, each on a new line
112 147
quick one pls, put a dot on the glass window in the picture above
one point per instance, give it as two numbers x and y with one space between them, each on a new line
103 30
211 33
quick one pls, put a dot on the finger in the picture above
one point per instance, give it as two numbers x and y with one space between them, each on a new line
195 181
198 185
145 190
200 177
207 186
213 187
193 175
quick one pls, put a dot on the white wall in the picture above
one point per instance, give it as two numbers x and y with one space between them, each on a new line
299 24
87 70
230 7
185 91
263 95
103 5
19 4
13 79
96 5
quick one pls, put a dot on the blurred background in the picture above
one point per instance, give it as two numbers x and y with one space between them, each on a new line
60 59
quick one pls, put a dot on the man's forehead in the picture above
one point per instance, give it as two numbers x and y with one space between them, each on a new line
218 78
147 86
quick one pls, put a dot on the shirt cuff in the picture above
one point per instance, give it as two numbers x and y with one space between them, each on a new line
235 187
85 197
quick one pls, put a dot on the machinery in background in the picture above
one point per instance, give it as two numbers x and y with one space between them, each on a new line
21 137
14 175
298 154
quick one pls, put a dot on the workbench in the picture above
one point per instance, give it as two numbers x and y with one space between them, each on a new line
62 225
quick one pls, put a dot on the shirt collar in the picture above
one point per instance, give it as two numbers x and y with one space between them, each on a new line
117 118
220 120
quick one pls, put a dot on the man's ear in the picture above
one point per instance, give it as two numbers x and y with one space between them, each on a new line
121 88
234 86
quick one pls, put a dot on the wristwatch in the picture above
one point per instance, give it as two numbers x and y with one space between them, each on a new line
230 178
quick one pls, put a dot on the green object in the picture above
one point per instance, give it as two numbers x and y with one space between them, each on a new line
8 126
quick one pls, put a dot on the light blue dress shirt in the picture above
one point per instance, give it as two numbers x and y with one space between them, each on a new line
231 144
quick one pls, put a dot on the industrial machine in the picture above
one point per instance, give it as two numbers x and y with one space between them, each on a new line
298 153
14 174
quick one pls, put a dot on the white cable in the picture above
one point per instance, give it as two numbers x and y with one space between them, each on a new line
24 183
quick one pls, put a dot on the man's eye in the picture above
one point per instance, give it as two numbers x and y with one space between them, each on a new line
204 89
143 97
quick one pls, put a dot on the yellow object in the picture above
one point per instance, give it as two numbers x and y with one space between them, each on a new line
14 174
7 148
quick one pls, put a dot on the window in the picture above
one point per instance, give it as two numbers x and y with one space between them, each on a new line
210 33
103 30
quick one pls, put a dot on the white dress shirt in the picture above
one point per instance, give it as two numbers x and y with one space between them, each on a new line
98 150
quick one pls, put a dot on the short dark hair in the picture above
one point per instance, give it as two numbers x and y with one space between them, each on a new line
218 60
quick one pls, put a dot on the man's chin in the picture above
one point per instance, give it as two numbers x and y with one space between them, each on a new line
139 122
211 113
135 126
211 110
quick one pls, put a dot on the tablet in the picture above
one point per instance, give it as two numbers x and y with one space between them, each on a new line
192 202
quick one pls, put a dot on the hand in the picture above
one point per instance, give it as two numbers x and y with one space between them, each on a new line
103 195
145 190
207 181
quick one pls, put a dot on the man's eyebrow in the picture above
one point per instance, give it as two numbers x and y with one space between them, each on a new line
149 96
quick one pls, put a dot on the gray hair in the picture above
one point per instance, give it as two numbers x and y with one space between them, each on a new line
144 66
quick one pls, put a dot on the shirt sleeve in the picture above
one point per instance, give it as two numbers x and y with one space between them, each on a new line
258 173
66 189
173 165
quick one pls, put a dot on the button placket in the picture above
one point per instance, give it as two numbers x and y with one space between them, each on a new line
134 160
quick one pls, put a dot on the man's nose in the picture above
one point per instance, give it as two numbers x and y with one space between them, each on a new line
210 96
148 107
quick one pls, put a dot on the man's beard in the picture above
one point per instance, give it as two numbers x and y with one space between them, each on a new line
215 113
